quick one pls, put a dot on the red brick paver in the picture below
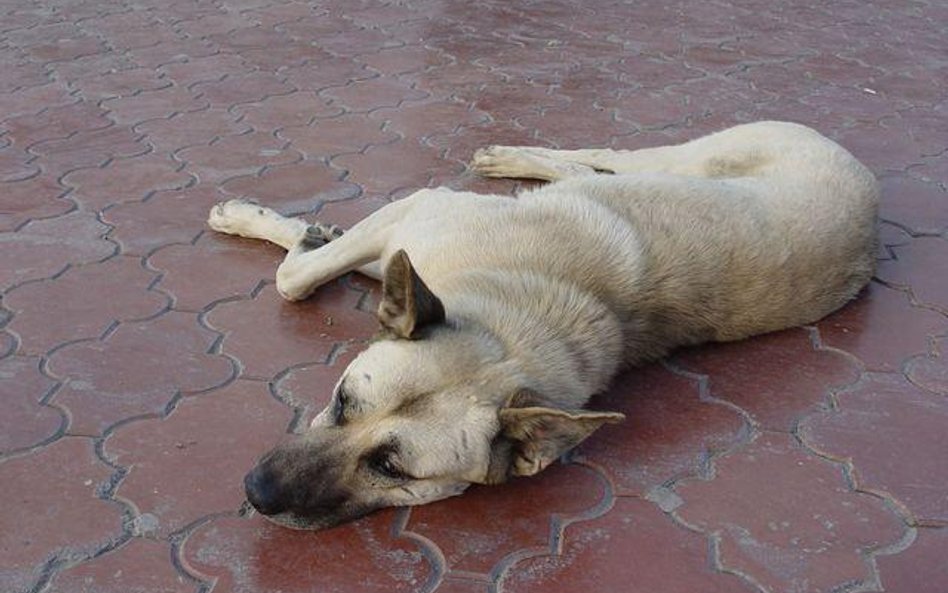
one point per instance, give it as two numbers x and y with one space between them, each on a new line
145 362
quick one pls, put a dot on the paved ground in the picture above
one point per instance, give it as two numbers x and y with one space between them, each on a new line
146 362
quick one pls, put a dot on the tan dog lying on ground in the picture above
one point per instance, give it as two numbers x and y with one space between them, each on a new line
502 317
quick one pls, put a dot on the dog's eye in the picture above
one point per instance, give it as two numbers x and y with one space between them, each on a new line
339 410
383 462
388 468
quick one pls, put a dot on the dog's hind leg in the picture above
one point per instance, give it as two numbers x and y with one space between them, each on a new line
526 163
736 152
553 165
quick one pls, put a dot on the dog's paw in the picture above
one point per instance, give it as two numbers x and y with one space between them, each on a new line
498 161
484 158
291 281
233 216
323 231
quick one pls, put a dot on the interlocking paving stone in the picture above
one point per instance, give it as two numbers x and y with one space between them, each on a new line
299 108
43 248
126 180
668 434
894 151
248 555
931 371
330 71
375 93
464 585
34 198
138 565
194 128
788 518
293 188
93 148
246 88
166 218
91 67
32 99
55 123
207 442
137 369
920 207
922 267
16 164
87 299
213 269
58 515
880 424
919 567
865 328
497 524
172 50
120 128
407 59
371 171
237 154
121 83
268 335
420 120
196 69
775 378
25 422
635 545
331 136
160 103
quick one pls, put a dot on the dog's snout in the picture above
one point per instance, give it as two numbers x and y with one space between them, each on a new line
263 491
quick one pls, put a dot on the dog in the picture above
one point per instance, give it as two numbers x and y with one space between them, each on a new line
501 317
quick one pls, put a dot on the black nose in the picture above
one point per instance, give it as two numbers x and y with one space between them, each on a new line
263 491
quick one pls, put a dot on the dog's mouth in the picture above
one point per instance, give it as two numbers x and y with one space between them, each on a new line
300 523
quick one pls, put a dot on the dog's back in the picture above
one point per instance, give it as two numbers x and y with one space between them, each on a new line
758 228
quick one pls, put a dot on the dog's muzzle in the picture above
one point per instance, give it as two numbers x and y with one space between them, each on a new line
262 491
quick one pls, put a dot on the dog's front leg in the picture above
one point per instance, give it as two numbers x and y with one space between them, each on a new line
249 219
359 248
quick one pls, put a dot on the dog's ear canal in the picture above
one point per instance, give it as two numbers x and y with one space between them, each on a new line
538 435
407 305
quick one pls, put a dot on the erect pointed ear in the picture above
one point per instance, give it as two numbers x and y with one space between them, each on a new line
408 305
540 435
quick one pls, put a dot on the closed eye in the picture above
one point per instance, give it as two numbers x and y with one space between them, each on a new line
384 461
339 408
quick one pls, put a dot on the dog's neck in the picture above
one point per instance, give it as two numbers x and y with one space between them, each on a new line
560 341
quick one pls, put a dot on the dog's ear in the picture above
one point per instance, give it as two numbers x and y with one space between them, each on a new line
536 435
408 305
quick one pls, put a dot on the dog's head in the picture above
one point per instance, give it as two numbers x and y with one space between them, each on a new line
425 411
